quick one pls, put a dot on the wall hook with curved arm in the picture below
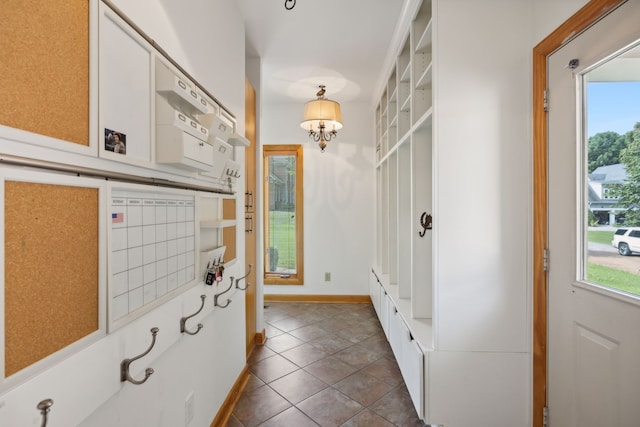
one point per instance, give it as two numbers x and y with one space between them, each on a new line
45 406
426 223
183 321
124 365
216 296
244 277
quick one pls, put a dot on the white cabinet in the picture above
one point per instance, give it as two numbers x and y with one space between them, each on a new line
176 147
412 367
374 291
406 348
192 131
404 180
179 91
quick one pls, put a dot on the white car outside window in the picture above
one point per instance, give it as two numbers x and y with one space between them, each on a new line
627 240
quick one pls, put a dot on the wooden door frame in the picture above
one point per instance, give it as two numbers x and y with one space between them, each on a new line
581 20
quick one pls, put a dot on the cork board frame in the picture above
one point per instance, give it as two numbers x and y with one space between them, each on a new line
54 229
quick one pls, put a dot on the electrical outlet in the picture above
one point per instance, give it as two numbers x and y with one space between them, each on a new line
189 410
327 277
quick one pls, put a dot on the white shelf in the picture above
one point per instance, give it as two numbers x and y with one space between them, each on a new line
425 80
238 140
405 75
425 40
218 223
406 104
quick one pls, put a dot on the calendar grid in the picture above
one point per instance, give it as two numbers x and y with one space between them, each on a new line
152 247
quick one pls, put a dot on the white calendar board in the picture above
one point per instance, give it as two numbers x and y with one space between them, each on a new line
152 249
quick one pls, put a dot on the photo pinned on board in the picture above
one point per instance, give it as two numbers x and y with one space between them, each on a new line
115 141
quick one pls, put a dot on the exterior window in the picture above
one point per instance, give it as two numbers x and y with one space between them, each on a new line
283 215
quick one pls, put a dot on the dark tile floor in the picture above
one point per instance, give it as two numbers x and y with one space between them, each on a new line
327 365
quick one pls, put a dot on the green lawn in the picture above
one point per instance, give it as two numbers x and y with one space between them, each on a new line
282 235
613 278
607 276
598 236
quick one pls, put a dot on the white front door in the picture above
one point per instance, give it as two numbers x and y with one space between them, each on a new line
594 328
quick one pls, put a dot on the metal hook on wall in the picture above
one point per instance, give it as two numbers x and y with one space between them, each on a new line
183 321
45 406
124 365
244 277
216 296
426 223
289 4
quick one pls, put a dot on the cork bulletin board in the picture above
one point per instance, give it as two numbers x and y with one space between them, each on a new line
228 208
51 252
229 233
44 64
229 240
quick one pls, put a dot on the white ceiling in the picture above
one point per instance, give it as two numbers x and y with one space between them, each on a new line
342 44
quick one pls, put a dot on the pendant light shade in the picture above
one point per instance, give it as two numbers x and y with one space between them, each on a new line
322 119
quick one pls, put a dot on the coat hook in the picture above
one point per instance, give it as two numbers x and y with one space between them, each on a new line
45 406
243 277
183 321
124 365
216 296
425 222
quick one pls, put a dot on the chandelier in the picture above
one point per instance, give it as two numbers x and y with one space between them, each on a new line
322 118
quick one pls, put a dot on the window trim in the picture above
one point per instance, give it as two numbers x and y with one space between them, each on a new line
285 150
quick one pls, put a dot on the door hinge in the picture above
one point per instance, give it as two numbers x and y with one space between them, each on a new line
545 101
545 416
545 259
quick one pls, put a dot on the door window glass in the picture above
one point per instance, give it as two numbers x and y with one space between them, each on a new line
611 193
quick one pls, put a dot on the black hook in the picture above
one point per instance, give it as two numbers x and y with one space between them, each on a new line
425 222
289 4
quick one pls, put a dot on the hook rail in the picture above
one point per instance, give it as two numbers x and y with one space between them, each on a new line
183 321
244 277
216 296
124 365
45 406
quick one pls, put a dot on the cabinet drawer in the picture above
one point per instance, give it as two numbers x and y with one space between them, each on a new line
195 149
398 334
173 146
412 365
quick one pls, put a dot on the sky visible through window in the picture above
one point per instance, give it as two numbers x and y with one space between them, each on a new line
613 106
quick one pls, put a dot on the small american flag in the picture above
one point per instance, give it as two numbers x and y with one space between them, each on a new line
117 217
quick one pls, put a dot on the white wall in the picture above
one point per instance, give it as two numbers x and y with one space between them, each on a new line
86 387
483 314
549 14
339 199
482 286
